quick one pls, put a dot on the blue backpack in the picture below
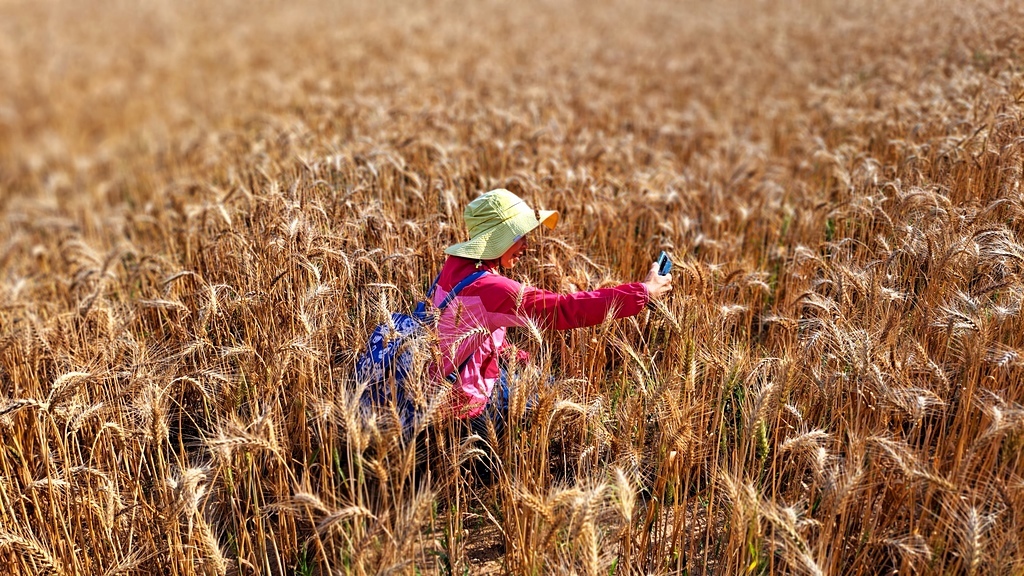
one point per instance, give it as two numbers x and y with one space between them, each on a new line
390 354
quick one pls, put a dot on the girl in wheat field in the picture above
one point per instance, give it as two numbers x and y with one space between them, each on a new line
472 327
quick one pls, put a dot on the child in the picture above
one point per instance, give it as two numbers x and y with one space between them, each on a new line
472 328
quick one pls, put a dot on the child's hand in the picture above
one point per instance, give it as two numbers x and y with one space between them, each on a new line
657 286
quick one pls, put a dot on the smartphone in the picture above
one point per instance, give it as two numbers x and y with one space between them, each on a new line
664 264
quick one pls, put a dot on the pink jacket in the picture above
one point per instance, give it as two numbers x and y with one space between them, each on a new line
474 323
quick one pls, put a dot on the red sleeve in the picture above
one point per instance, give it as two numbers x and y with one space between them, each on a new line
505 303
579 309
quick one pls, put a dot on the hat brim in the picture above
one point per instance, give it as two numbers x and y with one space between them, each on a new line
549 218
492 243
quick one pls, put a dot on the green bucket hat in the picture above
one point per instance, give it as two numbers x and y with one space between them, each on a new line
495 221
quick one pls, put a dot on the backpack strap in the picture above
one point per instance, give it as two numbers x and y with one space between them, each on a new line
456 289
448 300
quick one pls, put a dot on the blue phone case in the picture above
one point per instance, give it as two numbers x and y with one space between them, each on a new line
664 264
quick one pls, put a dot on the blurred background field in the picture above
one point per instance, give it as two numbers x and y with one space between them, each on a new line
202 205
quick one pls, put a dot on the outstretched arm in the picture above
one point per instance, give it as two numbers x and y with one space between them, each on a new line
579 309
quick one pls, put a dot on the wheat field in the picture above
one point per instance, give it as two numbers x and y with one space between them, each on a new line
205 208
